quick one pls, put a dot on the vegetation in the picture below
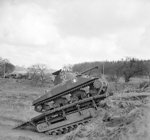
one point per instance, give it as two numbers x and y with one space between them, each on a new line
120 120
38 75
127 68
5 67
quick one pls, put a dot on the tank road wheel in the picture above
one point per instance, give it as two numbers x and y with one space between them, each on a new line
80 123
75 126
54 133
59 132
98 84
65 130
93 91
78 95
74 99
42 108
48 133
70 128
60 102
46 107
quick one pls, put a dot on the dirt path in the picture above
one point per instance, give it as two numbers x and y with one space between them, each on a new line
8 133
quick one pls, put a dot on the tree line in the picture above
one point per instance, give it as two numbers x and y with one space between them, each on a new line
126 68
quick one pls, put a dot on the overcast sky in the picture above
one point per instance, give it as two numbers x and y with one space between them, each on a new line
58 32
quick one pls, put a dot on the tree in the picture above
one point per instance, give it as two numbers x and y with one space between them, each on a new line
5 67
67 67
132 67
126 68
39 75
147 69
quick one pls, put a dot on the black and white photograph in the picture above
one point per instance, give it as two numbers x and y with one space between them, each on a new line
74 70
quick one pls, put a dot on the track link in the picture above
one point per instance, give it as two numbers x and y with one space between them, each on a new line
67 128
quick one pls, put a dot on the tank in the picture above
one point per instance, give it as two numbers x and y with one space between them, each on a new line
70 103
70 91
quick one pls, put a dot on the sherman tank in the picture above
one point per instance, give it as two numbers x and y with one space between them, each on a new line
70 103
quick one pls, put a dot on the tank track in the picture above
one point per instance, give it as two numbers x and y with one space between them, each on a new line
57 131
67 128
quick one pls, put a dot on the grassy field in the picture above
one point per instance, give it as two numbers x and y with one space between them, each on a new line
16 107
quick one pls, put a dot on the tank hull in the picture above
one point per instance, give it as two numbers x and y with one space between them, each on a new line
64 89
70 92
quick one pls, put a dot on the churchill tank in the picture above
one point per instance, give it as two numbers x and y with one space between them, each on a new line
70 103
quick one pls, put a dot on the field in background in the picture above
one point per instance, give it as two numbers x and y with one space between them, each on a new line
16 107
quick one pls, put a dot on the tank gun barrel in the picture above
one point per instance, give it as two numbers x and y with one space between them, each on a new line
96 67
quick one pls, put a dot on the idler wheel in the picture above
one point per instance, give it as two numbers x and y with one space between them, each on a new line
38 108
97 84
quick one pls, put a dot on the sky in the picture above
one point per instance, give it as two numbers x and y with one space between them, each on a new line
62 32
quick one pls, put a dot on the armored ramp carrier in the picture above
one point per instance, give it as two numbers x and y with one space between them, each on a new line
69 104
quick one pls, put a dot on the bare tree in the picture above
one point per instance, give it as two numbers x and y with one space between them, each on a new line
147 70
38 74
132 67
5 67
67 67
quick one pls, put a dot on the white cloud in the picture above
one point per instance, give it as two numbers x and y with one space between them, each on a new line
97 18
26 24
